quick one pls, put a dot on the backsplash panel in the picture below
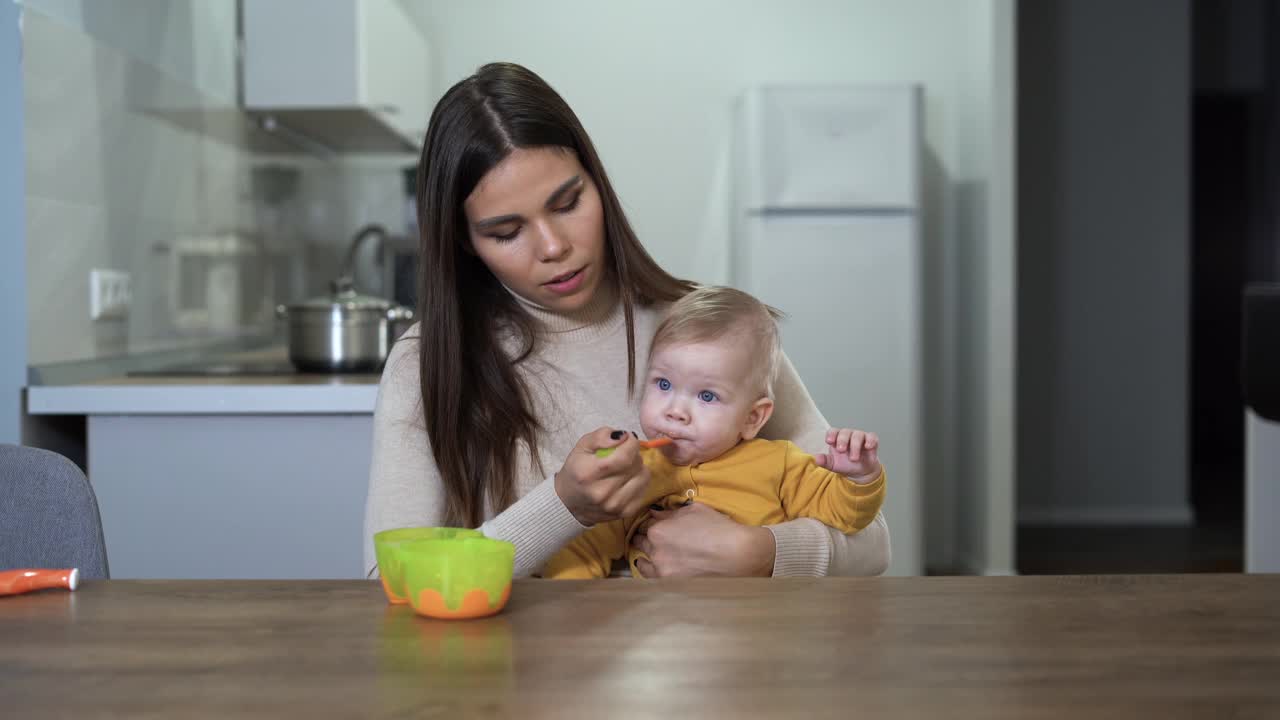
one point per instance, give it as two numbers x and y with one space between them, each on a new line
139 160
114 182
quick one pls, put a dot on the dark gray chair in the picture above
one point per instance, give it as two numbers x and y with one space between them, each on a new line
48 514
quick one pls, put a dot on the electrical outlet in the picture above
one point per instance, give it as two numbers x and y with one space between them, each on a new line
110 292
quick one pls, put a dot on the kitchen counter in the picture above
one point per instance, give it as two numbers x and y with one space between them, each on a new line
284 394
276 464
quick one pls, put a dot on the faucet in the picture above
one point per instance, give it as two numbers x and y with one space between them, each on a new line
346 279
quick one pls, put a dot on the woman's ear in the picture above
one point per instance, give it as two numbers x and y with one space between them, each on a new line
759 414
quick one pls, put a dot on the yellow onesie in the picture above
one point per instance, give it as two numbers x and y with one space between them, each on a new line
758 482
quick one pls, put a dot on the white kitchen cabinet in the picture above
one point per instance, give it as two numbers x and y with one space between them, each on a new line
350 74
231 496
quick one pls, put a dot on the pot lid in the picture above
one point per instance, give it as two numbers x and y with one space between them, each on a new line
344 295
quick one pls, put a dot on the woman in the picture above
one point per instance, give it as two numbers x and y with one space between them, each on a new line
535 299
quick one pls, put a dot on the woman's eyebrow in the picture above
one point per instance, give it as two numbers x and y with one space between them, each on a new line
495 220
556 196
563 190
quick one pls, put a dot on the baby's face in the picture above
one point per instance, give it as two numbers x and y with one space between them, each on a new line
700 395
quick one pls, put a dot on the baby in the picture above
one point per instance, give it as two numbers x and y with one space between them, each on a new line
709 389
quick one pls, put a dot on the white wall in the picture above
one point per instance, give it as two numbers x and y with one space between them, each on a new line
1104 248
653 82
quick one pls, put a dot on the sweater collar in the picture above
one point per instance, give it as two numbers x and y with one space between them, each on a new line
598 317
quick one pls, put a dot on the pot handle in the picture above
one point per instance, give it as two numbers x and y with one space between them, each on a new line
282 311
398 313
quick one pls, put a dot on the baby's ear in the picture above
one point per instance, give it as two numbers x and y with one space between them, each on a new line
757 416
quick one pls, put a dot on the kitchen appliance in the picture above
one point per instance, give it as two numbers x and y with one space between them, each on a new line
401 269
402 251
333 89
827 229
219 284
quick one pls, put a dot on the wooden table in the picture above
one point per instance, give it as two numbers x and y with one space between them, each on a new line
1029 647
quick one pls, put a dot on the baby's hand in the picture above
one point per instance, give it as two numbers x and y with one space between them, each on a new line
852 453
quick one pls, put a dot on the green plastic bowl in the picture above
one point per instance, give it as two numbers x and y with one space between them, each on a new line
389 563
463 577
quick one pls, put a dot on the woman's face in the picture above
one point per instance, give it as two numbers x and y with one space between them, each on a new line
536 221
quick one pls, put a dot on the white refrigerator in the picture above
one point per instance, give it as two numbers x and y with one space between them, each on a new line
827 229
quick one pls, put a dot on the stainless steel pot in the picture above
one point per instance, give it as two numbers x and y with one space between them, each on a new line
343 332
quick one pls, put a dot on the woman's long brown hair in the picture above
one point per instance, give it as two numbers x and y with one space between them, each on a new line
475 406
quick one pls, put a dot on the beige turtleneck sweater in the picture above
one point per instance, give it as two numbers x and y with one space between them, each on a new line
577 378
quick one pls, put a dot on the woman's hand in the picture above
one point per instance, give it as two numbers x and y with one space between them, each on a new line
695 540
598 489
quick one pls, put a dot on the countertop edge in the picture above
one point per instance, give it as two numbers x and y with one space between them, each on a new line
196 399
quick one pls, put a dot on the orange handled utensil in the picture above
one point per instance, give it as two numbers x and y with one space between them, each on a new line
15 582
654 443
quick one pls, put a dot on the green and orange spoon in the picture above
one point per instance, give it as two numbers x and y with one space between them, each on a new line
655 443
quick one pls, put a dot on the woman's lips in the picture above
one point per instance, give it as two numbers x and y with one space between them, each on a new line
567 282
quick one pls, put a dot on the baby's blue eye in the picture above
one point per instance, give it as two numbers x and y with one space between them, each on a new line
707 396
664 384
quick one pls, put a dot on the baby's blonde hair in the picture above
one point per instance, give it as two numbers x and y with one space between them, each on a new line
713 312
